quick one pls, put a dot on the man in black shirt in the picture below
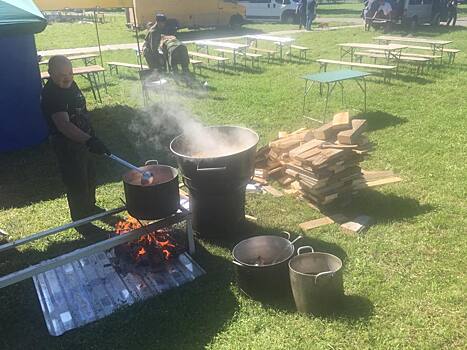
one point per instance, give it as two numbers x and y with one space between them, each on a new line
72 137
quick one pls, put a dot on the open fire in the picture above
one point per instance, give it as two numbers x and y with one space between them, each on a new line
152 248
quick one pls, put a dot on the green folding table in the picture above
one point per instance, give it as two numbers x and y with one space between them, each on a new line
331 79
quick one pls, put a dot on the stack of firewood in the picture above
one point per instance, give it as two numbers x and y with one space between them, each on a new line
321 164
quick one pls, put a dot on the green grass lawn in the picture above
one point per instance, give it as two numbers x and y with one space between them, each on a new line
404 277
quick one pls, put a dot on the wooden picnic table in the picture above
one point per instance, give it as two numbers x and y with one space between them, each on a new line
390 50
436 45
278 40
87 58
87 72
236 48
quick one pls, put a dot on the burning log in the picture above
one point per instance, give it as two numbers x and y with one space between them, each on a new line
150 249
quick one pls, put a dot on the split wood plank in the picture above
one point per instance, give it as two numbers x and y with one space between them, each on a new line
273 191
361 184
337 218
342 121
350 137
305 147
260 180
324 132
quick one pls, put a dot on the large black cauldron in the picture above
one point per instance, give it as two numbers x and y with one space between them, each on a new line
216 164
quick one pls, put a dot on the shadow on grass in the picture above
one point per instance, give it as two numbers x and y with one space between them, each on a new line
186 317
380 120
386 208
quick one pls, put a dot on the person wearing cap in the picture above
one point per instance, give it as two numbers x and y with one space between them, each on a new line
152 41
72 137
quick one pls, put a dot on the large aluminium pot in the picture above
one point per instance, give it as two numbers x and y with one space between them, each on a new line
156 200
316 281
221 160
262 266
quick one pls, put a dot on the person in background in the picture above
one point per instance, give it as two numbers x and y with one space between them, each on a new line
311 13
152 42
301 13
175 53
452 12
384 10
72 138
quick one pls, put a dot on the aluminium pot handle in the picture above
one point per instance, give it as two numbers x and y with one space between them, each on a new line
151 161
218 169
287 234
307 247
321 274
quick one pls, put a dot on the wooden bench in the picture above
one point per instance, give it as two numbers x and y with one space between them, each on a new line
431 57
384 68
302 50
114 66
270 53
253 56
195 64
220 60
451 52
419 61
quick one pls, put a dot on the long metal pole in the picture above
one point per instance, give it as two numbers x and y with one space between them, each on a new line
36 236
47 265
99 44
137 38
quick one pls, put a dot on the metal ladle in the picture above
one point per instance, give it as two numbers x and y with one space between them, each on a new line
146 176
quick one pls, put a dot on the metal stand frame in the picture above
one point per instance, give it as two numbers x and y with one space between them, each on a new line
15 277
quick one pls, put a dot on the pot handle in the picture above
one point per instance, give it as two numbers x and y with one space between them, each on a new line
218 169
308 247
321 274
235 262
151 162
287 234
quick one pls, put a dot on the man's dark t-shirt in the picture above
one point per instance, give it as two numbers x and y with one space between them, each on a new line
55 99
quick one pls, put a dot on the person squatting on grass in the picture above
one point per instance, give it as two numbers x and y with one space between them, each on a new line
301 13
152 42
72 138
311 13
384 10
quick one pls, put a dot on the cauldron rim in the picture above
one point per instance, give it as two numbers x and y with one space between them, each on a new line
233 127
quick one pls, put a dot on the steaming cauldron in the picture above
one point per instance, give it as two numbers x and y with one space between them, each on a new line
216 164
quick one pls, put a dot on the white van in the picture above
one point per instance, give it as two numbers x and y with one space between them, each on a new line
270 10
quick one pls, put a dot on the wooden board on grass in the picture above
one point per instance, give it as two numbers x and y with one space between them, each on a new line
309 225
273 191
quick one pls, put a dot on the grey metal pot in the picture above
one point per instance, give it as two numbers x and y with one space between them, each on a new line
261 266
316 281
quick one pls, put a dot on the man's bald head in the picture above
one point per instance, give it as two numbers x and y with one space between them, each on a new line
61 71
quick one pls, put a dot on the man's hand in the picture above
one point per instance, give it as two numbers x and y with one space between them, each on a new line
96 146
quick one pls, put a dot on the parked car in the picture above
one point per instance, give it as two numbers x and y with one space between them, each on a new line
270 10
415 12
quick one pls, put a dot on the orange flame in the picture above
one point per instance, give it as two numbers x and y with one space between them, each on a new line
153 238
